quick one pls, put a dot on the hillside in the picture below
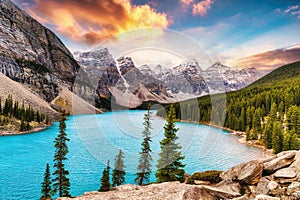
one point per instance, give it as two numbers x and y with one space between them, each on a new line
272 101
21 93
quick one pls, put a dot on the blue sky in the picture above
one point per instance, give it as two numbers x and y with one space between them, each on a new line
228 30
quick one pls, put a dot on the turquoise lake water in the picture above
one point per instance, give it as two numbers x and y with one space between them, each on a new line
94 139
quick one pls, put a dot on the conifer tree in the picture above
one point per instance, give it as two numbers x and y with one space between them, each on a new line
61 182
46 184
268 134
118 176
277 138
170 167
144 167
248 134
105 182
256 124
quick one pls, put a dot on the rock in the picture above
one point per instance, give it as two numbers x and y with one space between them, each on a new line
285 173
279 162
272 185
229 186
197 182
296 163
262 186
293 187
197 194
244 197
246 173
265 197
219 194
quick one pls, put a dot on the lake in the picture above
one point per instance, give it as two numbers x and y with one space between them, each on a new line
94 139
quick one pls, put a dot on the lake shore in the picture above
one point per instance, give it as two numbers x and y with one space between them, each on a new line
241 137
12 133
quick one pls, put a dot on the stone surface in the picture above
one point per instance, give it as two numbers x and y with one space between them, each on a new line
272 185
265 197
197 182
285 173
229 186
293 187
262 186
246 173
279 162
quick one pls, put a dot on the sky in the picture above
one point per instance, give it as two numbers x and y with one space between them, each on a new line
257 33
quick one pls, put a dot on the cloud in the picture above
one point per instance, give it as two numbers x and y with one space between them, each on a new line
186 3
291 10
92 21
202 7
270 60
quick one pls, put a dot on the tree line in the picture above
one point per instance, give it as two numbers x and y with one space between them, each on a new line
268 110
12 109
170 166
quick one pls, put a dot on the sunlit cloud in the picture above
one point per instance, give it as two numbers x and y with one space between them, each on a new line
186 3
270 60
202 7
92 21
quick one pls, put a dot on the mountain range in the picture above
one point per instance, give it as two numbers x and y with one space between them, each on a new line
131 85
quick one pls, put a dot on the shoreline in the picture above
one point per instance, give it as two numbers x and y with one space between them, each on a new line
34 130
240 137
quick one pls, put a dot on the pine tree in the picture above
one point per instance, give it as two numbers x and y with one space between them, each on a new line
61 182
268 134
256 124
169 164
118 176
248 134
46 184
144 167
277 138
105 182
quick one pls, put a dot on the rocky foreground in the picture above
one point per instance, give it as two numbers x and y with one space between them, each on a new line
276 178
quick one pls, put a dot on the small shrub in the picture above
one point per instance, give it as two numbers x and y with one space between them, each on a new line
213 176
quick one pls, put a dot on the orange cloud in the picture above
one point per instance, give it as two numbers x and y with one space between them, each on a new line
92 21
202 7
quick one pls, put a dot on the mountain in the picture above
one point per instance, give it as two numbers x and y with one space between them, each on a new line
121 79
275 96
34 56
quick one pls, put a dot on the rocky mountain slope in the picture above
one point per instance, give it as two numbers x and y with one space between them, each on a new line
126 82
121 79
34 56
22 93
275 178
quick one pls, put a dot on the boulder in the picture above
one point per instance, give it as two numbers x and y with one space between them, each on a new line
296 163
229 186
197 194
285 173
245 173
197 182
273 185
244 197
218 193
262 186
293 187
279 162
265 197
